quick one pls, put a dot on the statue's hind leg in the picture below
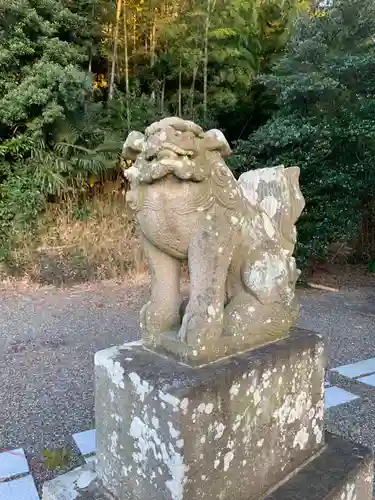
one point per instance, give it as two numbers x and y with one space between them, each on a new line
262 310
254 323
161 313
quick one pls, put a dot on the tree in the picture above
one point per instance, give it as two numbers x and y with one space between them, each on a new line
325 90
114 54
43 50
249 38
209 51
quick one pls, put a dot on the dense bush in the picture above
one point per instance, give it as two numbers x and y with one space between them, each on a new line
325 89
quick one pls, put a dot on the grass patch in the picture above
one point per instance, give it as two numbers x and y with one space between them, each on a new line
56 459
78 242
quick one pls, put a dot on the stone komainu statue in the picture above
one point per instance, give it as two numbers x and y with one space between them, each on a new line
237 236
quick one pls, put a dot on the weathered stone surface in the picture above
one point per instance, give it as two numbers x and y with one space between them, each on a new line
238 238
78 484
343 471
227 430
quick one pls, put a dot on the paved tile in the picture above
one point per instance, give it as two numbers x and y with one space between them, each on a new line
369 380
86 441
91 458
19 489
355 370
334 396
13 463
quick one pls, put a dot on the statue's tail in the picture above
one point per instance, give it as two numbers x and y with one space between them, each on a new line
276 191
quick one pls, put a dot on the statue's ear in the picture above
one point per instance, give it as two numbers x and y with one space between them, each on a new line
133 145
215 141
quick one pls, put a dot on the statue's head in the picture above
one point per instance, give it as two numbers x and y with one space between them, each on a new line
173 146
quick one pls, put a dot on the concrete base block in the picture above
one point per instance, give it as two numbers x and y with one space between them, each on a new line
78 484
343 471
227 430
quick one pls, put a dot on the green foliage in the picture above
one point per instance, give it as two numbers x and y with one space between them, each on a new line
53 135
63 122
81 211
20 203
56 459
242 105
325 90
41 67
42 84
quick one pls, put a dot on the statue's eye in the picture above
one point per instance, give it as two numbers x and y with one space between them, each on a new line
151 157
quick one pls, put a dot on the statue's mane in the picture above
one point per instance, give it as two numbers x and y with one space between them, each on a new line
180 148
217 184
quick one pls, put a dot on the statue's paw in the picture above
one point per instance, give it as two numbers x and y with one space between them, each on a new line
158 318
183 331
143 316
196 329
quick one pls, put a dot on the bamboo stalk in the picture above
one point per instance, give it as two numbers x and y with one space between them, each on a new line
114 55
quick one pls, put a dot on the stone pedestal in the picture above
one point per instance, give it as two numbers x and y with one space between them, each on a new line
342 471
230 429
247 427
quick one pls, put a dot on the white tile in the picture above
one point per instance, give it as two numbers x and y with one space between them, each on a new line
369 380
91 458
364 367
12 463
19 489
86 441
334 396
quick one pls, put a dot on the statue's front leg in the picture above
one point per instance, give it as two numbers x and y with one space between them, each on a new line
209 256
161 313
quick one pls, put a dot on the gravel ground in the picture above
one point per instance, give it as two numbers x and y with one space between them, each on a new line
48 338
347 320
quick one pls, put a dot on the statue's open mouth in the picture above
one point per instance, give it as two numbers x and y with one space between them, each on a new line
175 147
